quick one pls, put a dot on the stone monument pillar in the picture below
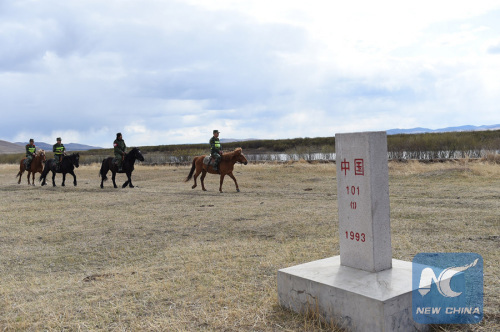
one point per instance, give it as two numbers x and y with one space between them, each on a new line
362 289
363 200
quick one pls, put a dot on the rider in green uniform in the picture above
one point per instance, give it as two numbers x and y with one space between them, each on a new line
216 149
30 153
119 150
58 150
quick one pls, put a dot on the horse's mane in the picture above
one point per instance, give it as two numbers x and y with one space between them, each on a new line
230 155
128 155
39 152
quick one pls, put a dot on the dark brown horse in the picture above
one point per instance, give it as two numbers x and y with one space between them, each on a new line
127 168
35 167
226 167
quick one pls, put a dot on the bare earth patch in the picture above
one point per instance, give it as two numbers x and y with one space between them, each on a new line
162 256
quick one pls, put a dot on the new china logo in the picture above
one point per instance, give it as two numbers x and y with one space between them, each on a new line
447 288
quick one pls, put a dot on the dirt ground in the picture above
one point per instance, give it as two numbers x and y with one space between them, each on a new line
163 256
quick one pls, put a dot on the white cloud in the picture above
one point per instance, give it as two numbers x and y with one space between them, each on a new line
168 72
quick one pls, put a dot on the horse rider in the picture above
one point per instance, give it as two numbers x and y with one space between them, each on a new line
119 150
59 152
215 149
30 153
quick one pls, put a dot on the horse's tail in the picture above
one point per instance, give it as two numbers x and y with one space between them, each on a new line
21 170
104 170
191 171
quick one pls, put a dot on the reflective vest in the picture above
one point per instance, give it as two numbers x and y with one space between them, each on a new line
32 149
59 149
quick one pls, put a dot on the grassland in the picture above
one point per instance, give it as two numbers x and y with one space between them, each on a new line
162 256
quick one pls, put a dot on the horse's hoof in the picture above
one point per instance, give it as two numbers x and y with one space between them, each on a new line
237 190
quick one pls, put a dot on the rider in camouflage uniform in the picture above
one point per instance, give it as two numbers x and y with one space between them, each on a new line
216 149
58 150
30 153
119 150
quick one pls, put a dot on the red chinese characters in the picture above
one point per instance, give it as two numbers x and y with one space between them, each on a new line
359 166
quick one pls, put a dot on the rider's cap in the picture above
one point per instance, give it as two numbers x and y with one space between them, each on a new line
32 140
216 131
59 139
118 135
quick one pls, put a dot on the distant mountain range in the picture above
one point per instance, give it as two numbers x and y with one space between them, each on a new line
68 146
18 147
420 130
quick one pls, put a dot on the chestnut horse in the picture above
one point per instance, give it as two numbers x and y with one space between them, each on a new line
35 167
226 167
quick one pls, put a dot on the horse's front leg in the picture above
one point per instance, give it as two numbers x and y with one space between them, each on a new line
234 179
32 178
221 180
74 177
64 179
129 181
113 177
28 177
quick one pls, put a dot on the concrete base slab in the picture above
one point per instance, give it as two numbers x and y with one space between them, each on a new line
353 299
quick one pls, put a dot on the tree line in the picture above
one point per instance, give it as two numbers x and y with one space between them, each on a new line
425 146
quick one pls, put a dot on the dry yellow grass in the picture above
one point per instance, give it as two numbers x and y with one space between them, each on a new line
162 256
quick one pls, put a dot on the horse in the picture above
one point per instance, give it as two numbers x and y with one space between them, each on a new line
127 167
35 167
226 167
67 165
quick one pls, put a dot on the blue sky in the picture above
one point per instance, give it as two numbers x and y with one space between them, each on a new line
169 72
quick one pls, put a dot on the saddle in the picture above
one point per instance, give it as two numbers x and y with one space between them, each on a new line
114 161
209 161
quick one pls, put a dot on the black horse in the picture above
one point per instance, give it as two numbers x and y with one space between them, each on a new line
127 167
67 165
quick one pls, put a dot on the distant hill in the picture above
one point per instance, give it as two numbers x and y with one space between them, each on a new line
68 146
231 140
420 130
8 147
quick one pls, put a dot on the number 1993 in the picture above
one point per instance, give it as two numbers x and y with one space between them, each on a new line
359 237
